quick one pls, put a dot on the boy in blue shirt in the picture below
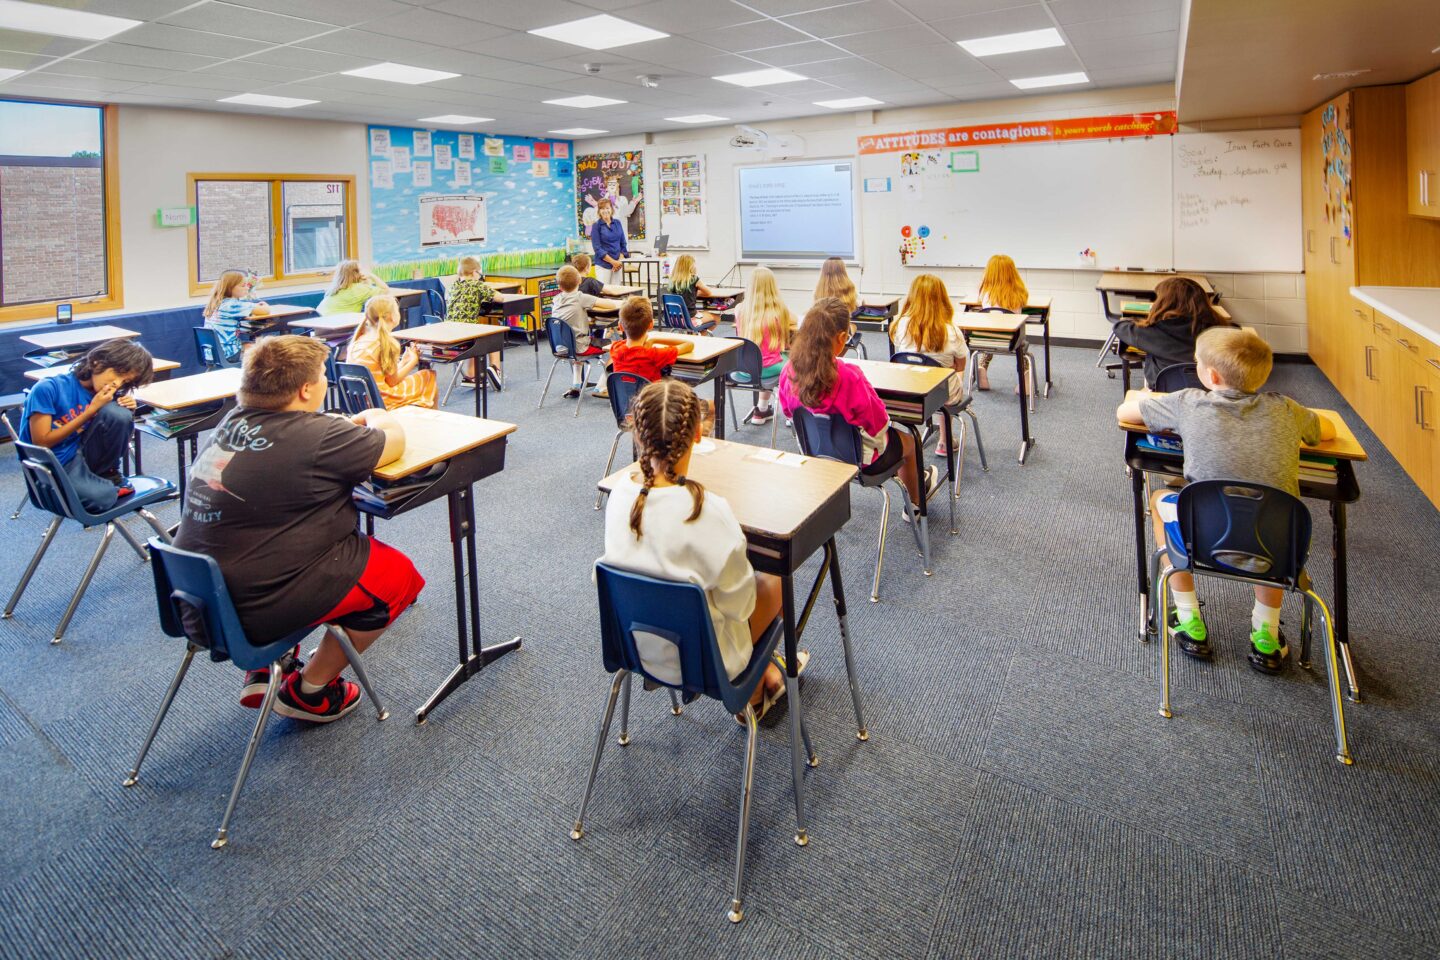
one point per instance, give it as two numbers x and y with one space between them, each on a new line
86 416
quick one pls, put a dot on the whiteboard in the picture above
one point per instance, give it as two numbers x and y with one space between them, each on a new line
1237 201
1043 204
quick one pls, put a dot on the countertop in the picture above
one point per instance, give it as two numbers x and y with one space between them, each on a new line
1415 307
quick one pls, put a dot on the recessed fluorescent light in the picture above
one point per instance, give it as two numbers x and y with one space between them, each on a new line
849 103
1343 74
6 73
455 118
265 100
599 33
698 118
396 73
578 132
584 102
60 22
1054 80
1013 42
760 78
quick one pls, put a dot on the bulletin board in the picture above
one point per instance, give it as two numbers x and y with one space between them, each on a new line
621 178
684 202
439 194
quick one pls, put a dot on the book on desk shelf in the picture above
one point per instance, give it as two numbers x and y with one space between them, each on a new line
1313 466
379 495
53 358
904 407
170 422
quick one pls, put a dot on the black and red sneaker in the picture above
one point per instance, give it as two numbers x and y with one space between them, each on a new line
252 693
330 702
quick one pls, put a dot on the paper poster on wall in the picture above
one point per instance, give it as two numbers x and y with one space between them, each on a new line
466 144
520 154
462 173
682 202
542 151
498 165
540 168
422 143
400 159
620 177
380 141
420 173
452 219
564 168
380 174
560 151
494 147
443 153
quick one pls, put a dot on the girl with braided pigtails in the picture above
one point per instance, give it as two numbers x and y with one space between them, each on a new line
663 524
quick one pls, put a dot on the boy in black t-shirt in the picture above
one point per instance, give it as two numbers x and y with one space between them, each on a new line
270 499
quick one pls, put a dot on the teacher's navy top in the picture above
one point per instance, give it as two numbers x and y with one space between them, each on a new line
608 240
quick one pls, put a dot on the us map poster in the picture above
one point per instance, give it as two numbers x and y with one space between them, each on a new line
617 176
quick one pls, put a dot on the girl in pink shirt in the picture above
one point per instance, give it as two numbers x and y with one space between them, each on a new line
818 380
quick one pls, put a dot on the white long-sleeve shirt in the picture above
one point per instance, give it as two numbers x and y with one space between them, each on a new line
708 551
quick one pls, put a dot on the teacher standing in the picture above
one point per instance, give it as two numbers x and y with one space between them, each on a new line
607 238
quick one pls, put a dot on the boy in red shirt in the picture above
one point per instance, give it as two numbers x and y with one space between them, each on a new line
641 352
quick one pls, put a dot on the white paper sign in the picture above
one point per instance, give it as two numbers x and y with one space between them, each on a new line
462 173
540 168
442 156
420 171
380 142
380 174
422 143
494 147
467 146
400 159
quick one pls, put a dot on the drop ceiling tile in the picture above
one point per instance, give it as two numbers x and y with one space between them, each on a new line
1121 49
1139 24
134 9
1079 11
521 46
689 16
147 57
994 23
1035 63
936 60
442 29
180 40
785 8
888 41
491 86
516 16
151 100
987 90
17 42
374 47
304 58
796 54
344 13
75 67
676 52
840 66
876 82
948 9
11 60
210 82
721 64
233 21
262 72
850 19
1131 75
749 36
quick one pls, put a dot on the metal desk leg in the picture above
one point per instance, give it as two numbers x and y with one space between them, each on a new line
837 588
1045 326
952 455
1105 349
792 685
1342 595
180 468
1026 441
922 523
1137 493
720 407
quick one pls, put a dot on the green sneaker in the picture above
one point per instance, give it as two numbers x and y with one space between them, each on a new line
1268 653
1193 638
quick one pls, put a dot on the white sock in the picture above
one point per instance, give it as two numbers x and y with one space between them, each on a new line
1269 616
1186 603
308 688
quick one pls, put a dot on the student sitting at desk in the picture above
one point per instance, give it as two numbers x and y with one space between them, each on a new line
466 304
927 325
818 380
570 307
269 499
835 282
349 289
643 352
764 318
664 524
1181 312
1230 433
1001 287
685 284
588 284
231 302
374 345
85 417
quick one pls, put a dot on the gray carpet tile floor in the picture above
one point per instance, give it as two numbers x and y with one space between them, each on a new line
1018 796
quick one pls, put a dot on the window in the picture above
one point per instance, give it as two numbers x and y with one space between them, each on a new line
59 238
291 228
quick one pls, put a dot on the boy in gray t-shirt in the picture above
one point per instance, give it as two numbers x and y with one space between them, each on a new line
571 307
1230 433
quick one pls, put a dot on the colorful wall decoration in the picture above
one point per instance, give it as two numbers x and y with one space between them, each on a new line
619 176
441 194
1335 174
1158 123
683 204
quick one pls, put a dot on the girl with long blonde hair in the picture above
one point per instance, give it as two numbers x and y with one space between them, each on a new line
927 325
349 288
835 282
230 302
685 283
1002 287
765 319
374 345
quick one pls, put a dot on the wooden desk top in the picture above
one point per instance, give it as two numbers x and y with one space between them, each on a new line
723 293
612 291
1140 308
78 337
191 391
1034 303
505 286
906 378
503 298
435 435
877 300
1112 282
37 375
448 332
772 492
332 323
991 322
705 349
1343 446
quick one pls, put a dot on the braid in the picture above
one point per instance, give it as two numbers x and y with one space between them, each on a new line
665 415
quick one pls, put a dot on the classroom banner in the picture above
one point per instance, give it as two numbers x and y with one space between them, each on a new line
683 202
1157 123
621 178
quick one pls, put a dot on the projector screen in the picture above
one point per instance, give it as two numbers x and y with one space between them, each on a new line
797 212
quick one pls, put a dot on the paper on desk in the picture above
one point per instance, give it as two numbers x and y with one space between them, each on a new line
705 446
778 456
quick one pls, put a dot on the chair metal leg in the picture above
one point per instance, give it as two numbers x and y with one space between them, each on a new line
354 657
156 525
919 526
1345 659
135 544
880 557
736 912
798 739
1337 701
134 776
578 831
675 706
624 738
584 385
1307 624
774 426
1164 594
85 581
222 836
20 507
730 402
614 445
979 442
962 435
30 570
1030 378
454 379
546 389
1149 625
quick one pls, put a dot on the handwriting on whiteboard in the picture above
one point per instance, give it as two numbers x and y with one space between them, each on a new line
1235 158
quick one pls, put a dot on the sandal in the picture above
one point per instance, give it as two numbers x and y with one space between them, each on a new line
773 697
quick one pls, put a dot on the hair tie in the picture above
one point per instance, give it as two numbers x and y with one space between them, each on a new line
644 491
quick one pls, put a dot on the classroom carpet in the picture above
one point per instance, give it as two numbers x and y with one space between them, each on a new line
1018 795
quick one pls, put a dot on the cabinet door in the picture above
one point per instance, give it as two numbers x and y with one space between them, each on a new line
1422 146
1429 412
1416 420
1324 334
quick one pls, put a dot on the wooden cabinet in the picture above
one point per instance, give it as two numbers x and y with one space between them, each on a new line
1422 146
1399 399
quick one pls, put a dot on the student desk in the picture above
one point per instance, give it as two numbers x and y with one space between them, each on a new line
1115 285
337 326
275 321
1141 308
480 340
190 406
912 394
509 306
788 506
874 313
505 286
650 280
445 454
1038 308
711 359
72 343
1337 490
163 369
721 302
613 292
1002 331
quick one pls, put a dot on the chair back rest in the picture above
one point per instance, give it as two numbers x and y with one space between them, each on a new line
993 310
435 304
1177 376
675 312
829 436
623 388
210 350
48 484
669 621
1247 529
562 338
194 603
428 318
358 389
748 359
914 359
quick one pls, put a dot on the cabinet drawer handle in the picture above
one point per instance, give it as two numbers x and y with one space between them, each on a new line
1406 344
1433 363
1420 407
1333 258
1309 241
1360 313
1368 374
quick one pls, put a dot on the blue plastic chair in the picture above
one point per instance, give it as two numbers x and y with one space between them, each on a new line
210 350
1255 534
50 490
857 340
623 388
562 348
677 315
1178 376
636 609
821 435
749 363
189 586
358 389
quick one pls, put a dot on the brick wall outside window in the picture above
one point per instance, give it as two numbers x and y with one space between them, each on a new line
52 229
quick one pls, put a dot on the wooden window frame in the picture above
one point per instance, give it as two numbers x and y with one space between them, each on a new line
114 297
277 276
